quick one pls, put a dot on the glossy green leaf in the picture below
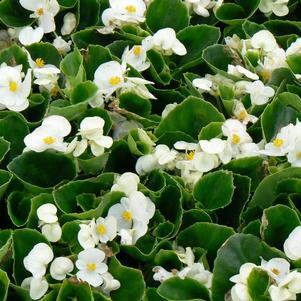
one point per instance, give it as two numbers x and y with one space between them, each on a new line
76 290
189 117
4 285
83 92
89 11
258 283
167 13
14 55
209 195
183 289
5 179
134 103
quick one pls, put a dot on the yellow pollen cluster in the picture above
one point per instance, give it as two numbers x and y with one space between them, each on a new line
235 139
91 267
299 155
40 11
49 140
127 215
137 50
265 75
275 271
40 62
13 86
190 155
114 80
242 115
130 9
101 229
278 142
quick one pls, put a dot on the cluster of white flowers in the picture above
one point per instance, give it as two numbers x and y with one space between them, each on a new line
286 143
203 156
129 218
201 7
36 263
48 221
122 12
110 77
194 270
277 7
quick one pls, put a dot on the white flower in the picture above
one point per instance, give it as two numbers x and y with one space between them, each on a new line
294 48
165 40
242 115
281 293
29 35
109 283
136 57
91 266
244 272
292 282
126 11
14 92
60 267
291 245
47 213
130 236
37 260
241 71
44 10
91 131
161 274
37 287
277 268
294 154
53 232
259 93
146 164
49 135
106 228
273 60
164 155
127 183
239 292
203 84
197 272
86 236
61 45
69 24
277 7
264 40
200 7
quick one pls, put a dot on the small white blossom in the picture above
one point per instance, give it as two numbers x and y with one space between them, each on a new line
91 266
292 244
47 213
242 115
37 287
61 45
203 84
136 57
259 93
86 236
161 274
264 40
29 35
106 228
60 267
294 48
277 268
109 283
277 7
53 232
69 24
241 71
127 183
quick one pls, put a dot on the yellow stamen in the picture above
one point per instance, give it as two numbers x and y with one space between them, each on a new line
137 50
265 75
101 229
131 9
91 267
299 155
242 115
40 11
278 142
235 139
40 62
114 80
49 140
275 271
13 86
54 92
190 155
127 215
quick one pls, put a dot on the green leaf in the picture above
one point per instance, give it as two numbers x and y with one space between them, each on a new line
94 165
197 236
83 92
183 289
212 130
23 242
189 117
134 103
67 3
294 61
126 275
12 14
14 55
5 179
196 39
237 250
211 197
75 290
89 11
284 109
42 171
4 148
167 13
258 283
277 223
4 285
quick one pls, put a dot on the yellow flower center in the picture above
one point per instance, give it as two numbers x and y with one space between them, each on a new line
40 11
235 139
101 229
40 62
91 267
13 86
275 271
190 155
127 215
265 75
54 92
137 50
278 142
49 140
242 115
114 80
299 155
131 9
